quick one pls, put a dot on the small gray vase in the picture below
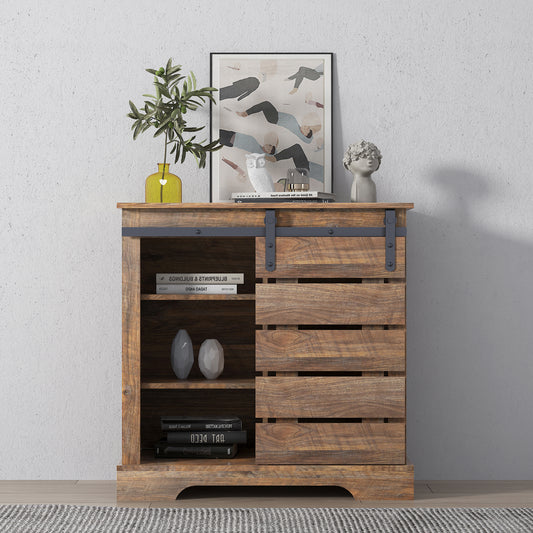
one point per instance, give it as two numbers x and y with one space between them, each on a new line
181 354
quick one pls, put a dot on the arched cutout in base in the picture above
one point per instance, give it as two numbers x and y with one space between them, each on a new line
320 492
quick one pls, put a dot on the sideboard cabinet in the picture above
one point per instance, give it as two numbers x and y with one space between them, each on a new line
314 345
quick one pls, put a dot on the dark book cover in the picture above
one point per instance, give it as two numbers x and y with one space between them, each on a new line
206 437
199 423
164 449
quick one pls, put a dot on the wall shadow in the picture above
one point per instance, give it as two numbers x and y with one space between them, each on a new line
341 187
470 338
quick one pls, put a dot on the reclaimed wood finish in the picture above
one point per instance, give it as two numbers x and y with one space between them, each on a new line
131 350
295 206
290 337
330 303
330 397
330 257
330 443
284 327
373 373
252 215
164 480
330 350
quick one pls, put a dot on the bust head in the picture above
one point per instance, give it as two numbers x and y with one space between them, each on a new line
362 158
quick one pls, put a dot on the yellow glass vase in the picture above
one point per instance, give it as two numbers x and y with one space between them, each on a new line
163 187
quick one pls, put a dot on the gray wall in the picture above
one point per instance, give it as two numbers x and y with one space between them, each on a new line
444 89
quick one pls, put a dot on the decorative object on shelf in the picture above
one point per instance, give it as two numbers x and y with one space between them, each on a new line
163 187
258 174
362 159
168 450
200 423
181 354
189 436
288 196
278 105
211 358
176 283
165 112
297 180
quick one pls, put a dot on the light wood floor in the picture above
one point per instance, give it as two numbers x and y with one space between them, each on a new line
427 494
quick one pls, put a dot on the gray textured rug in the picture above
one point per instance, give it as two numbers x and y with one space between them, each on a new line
71 518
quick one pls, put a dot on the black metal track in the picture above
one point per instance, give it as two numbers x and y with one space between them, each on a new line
141 231
270 231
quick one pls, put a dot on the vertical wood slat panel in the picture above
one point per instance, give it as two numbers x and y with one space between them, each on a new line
131 351
285 373
394 373
265 372
375 420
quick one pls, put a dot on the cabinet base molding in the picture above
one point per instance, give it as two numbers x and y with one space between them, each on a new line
166 481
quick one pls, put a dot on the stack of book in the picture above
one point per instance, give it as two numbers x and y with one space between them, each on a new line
194 437
198 283
288 196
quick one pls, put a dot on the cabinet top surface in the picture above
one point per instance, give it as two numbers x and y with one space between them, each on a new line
275 205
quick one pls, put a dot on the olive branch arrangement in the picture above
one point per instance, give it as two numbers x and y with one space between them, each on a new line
165 112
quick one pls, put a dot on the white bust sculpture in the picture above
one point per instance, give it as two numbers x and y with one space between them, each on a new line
361 160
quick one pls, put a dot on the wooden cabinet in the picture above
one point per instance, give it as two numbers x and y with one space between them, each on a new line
314 344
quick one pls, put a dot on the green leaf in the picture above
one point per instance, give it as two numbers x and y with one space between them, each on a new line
135 110
176 77
151 71
149 96
169 65
162 88
137 130
160 130
193 80
174 69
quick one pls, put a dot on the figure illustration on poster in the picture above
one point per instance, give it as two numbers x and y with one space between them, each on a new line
291 127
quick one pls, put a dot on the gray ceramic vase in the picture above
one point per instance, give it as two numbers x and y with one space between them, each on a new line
211 358
181 354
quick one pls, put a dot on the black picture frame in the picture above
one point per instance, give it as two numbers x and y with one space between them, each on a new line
317 153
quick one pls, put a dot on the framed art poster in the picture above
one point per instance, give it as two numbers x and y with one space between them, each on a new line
275 105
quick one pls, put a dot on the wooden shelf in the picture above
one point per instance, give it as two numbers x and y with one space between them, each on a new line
163 297
244 457
223 384
261 206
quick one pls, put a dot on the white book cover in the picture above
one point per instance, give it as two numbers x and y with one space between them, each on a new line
202 279
162 288
288 194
